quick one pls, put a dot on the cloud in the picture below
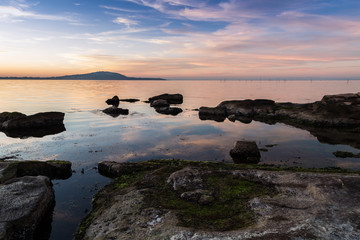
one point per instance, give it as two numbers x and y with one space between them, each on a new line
8 13
125 21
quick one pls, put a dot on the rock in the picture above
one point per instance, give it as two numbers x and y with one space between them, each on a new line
113 101
159 103
232 118
169 110
115 111
245 152
248 108
276 204
186 179
52 169
25 203
115 169
170 98
130 100
39 120
201 196
216 111
5 116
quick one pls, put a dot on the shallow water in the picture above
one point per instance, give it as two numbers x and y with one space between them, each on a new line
92 136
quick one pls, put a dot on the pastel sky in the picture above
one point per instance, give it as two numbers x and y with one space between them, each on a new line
182 39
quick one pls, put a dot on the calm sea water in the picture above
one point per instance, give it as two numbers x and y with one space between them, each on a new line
92 136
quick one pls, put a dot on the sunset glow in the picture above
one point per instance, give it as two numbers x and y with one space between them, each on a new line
182 39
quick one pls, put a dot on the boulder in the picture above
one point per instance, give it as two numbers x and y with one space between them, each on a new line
168 110
115 111
39 120
159 103
248 108
25 203
170 98
113 101
245 152
186 179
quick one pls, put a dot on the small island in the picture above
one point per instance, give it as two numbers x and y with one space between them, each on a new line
101 75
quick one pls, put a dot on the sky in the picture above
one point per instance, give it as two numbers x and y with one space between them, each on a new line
182 39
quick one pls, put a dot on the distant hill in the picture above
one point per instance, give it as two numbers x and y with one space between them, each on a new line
89 76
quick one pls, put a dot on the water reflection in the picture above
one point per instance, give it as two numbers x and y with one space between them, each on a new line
92 136
34 132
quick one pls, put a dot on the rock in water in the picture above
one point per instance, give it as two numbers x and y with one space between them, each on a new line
115 111
169 110
159 103
113 101
245 152
170 98
25 202
39 120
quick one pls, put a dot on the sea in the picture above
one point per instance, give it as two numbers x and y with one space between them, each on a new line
92 136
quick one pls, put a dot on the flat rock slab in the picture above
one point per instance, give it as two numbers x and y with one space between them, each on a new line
306 206
24 202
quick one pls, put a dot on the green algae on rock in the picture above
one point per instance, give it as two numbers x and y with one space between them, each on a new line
174 199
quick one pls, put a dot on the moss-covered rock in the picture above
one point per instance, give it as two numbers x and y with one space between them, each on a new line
230 201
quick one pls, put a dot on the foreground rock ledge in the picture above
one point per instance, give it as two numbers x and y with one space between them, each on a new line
25 202
291 204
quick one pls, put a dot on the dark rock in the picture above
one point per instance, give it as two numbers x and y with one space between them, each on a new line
168 110
113 101
39 120
51 169
5 116
170 98
232 118
159 103
116 169
130 100
248 108
216 111
186 179
217 114
25 202
115 111
245 152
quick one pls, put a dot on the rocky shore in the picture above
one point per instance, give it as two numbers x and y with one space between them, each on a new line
202 200
335 111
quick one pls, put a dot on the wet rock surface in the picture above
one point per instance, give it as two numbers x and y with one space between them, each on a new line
25 202
288 205
245 152
39 120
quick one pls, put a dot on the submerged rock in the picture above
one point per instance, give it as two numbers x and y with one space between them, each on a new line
245 152
130 100
170 98
115 111
25 202
113 101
